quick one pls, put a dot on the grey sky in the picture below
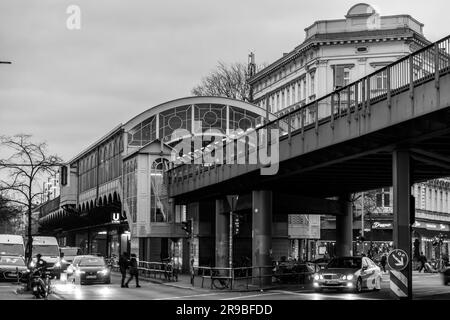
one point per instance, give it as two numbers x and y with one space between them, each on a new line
69 88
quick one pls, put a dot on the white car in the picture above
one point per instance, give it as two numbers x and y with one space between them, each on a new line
349 273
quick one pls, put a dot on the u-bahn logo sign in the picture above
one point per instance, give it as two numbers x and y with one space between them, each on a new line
115 217
398 259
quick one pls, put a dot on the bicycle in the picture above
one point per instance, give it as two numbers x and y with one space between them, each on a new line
220 283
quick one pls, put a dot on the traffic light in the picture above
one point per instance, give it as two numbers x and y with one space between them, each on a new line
187 227
236 224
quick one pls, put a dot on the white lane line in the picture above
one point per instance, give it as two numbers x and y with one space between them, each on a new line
194 295
320 295
252 296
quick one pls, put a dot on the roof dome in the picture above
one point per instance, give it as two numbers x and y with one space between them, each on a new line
361 9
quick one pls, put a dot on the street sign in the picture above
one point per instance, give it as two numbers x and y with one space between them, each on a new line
398 259
232 201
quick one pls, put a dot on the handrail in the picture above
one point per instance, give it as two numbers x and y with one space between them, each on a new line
359 95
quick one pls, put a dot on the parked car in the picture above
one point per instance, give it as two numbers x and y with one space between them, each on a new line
13 268
322 262
445 273
351 273
89 269
295 272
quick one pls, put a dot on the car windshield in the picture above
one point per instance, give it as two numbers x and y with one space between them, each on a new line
12 261
11 249
92 262
69 251
347 263
46 250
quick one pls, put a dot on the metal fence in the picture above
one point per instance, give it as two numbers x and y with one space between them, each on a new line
247 277
155 270
353 100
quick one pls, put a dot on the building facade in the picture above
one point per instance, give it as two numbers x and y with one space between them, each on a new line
334 54
112 194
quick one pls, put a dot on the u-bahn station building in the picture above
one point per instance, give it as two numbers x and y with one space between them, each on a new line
113 196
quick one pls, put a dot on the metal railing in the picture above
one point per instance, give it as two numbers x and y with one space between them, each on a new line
148 269
355 99
243 277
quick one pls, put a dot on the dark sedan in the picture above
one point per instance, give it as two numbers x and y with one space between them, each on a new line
89 269
13 268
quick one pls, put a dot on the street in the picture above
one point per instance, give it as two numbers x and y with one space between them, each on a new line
425 286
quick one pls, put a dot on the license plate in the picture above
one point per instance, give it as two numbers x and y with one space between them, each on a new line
91 277
331 282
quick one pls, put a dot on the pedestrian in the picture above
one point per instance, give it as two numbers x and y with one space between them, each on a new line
423 261
383 262
123 266
134 271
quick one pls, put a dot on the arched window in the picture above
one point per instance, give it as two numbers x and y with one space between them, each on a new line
159 206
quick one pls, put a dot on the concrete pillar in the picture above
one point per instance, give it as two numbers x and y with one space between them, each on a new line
262 236
222 235
401 281
344 228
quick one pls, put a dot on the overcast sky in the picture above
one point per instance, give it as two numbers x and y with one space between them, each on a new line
70 87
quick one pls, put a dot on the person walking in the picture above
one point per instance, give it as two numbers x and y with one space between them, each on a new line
383 262
423 261
123 266
134 272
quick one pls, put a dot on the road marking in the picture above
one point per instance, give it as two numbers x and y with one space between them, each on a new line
326 296
194 295
252 296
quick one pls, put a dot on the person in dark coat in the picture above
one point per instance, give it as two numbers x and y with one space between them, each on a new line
423 261
383 262
133 271
123 266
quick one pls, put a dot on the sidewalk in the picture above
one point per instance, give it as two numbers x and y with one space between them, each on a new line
184 282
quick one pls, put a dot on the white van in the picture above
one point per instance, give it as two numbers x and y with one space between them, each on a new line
49 249
11 245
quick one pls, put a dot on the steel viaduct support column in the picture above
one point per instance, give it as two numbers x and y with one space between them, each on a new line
344 228
222 235
401 281
262 236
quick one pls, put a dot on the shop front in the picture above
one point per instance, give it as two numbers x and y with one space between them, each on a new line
431 238
375 240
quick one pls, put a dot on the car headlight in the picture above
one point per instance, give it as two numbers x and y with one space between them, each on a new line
58 264
316 277
32 264
78 272
104 272
344 277
350 277
63 261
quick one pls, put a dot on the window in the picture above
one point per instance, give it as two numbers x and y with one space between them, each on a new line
383 197
313 90
304 89
159 210
341 76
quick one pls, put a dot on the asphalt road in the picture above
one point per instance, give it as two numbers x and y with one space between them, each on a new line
426 286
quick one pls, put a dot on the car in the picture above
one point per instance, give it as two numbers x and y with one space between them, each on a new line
322 262
349 273
13 268
445 273
89 269
295 272
67 255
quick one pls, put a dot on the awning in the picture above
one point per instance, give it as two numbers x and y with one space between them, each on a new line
429 233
